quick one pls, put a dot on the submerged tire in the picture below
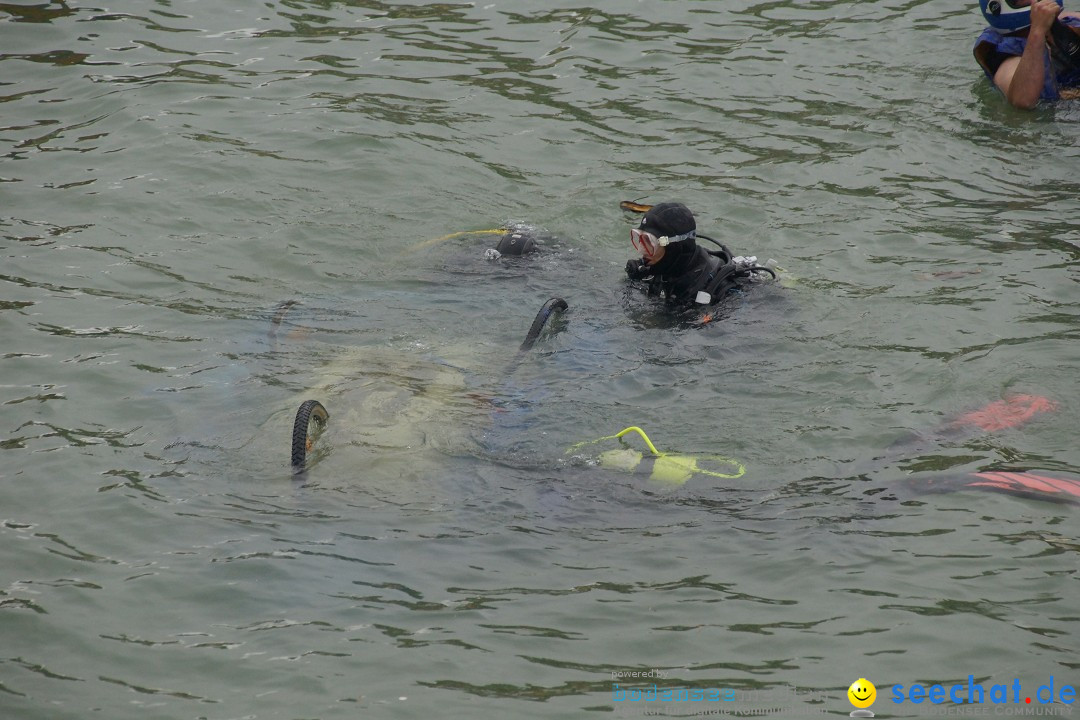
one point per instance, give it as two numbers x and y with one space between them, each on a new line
554 303
311 418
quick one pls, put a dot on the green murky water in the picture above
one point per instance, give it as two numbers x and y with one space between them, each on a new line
174 171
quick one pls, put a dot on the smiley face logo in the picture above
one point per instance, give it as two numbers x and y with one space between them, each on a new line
862 693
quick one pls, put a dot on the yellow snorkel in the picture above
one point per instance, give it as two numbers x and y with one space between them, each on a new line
451 236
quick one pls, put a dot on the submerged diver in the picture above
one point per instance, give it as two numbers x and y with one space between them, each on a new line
1031 51
673 262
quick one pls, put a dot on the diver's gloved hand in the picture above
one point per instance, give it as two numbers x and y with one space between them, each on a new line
637 268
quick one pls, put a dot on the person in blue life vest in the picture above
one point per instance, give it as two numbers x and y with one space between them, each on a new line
1031 51
674 264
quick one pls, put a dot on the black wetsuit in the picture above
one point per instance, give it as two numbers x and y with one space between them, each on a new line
687 269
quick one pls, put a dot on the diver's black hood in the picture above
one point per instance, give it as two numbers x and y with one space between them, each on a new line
668 219
678 258
672 219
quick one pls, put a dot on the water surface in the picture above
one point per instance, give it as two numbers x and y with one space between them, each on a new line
174 171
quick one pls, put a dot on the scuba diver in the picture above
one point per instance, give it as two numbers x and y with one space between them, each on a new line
670 470
673 263
519 239
515 239
1031 51
412 403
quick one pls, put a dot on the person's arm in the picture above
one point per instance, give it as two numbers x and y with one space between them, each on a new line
1022 78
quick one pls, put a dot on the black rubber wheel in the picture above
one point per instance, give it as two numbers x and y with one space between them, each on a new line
311 418
541 318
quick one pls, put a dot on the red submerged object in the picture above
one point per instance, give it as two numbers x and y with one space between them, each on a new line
1003 414
1007 413
1028 484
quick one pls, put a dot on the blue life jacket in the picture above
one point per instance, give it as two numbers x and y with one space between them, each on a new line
994 46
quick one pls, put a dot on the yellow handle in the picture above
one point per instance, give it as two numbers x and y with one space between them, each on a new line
639 431
616 436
